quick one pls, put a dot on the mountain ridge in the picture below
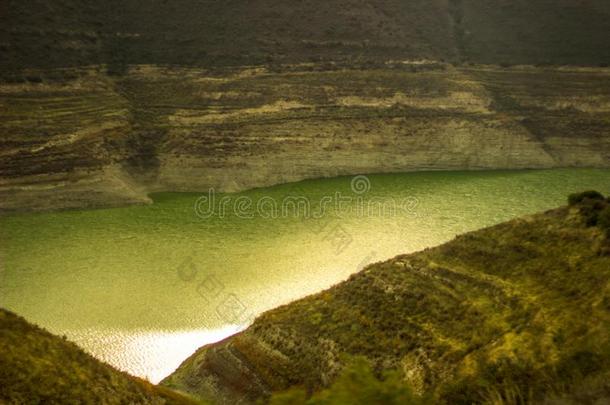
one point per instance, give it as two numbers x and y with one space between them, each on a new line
39 34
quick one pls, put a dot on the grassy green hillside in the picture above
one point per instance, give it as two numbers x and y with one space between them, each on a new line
516 312
37 368
45 34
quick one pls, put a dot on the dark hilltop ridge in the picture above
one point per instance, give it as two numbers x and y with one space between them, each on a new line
515 313
42 34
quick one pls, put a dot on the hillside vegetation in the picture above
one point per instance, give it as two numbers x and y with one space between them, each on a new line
39 368
519 312
44 34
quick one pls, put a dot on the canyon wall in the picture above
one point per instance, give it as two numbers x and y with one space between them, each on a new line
99 140
101 103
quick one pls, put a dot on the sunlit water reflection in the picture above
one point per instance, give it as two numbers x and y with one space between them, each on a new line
152 355
143 287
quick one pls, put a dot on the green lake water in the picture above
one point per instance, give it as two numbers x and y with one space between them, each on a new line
142 287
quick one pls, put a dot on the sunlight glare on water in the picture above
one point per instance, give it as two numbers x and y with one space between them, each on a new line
152 355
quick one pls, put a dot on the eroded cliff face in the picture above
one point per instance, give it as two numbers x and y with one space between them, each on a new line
62 144
96 140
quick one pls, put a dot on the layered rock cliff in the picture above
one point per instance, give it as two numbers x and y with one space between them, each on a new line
516 313
62 143
101 103
78 137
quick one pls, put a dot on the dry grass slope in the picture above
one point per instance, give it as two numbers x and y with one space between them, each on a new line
518 311
37 367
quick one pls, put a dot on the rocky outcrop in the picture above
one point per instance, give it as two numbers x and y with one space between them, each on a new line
96 140
518 310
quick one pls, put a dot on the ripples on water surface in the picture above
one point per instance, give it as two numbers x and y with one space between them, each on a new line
143 287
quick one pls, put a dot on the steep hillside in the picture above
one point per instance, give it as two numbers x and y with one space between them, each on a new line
518 310
95 140
42 34
37 367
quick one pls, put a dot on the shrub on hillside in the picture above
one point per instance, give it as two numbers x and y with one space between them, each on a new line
577 198
591 203
590 213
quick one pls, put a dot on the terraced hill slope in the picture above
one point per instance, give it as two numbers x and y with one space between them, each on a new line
520 310
60 144
95 140
37 367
